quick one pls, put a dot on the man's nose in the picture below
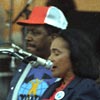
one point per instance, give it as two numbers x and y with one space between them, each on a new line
28 37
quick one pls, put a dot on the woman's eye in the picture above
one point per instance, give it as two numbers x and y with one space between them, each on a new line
57 53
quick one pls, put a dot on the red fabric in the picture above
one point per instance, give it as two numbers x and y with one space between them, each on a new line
62 86
37 16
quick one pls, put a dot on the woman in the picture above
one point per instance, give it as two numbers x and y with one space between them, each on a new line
74 62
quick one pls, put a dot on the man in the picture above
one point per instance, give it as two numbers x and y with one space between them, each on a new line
43 25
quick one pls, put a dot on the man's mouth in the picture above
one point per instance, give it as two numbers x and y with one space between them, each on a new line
30 45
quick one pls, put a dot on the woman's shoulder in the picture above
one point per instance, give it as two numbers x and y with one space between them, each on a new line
87 86
88 82
87 89
85 83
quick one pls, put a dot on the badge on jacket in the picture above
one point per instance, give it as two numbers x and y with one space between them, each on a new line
59 95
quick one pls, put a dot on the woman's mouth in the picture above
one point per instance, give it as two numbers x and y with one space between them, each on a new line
53 68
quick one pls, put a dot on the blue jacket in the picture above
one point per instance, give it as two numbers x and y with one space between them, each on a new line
78 89
39 73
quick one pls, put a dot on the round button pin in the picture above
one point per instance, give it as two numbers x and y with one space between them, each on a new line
59 95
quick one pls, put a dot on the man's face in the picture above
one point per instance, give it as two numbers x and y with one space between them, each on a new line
37 40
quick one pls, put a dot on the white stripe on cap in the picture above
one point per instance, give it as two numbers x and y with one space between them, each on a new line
56 18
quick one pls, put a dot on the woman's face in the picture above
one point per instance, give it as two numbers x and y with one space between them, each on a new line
60 56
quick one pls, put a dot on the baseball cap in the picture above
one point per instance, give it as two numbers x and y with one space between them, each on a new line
46 15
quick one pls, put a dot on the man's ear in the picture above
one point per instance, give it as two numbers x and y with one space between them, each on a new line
51 37
54 35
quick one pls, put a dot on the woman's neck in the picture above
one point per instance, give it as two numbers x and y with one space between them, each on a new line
68 78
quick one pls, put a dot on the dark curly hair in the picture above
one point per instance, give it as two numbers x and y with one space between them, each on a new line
83 58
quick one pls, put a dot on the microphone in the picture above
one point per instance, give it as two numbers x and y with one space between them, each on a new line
36 61
30 57
26 56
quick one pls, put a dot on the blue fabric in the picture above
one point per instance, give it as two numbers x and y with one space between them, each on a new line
36 82
78 89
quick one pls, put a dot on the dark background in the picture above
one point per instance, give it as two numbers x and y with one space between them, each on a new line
84 20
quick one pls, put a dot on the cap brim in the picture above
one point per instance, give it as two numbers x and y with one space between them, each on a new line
29 22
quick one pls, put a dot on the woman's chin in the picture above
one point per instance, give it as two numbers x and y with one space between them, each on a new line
55 74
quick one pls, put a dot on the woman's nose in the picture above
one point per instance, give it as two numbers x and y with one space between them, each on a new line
51 58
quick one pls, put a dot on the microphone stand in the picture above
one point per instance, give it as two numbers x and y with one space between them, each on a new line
24 10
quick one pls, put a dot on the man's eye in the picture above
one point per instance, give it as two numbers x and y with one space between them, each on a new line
34 32
37 33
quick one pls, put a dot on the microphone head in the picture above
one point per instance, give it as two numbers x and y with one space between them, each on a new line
49 64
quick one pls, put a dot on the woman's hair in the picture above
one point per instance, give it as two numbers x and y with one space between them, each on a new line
82 55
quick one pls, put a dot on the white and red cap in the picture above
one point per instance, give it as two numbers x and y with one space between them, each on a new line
46 15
